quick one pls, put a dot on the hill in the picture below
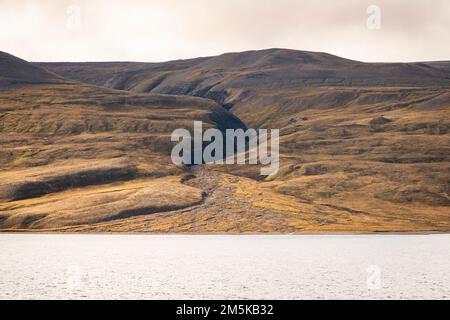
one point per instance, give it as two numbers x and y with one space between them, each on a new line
75 153
364 146
15 72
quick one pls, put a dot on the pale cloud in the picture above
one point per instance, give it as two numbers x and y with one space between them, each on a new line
158 30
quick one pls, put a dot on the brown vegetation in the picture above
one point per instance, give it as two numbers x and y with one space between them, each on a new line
364 147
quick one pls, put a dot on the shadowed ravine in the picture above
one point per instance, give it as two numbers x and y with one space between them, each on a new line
221 206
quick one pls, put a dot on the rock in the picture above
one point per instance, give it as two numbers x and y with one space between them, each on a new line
379 121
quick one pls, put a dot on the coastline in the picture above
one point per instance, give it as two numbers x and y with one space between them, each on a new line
47 232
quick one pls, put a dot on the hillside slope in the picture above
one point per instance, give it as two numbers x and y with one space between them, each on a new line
232 77
15 72
75 153
364 147
367 141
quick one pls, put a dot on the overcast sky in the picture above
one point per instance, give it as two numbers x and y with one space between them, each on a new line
159 30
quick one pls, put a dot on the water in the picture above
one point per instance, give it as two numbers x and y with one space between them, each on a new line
38 266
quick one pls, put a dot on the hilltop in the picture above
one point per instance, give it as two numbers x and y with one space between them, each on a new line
15 71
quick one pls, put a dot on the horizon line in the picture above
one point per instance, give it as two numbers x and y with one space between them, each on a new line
229 52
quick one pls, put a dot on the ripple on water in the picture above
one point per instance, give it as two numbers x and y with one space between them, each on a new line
224 267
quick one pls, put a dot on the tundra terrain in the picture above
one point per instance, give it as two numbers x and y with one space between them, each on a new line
364 147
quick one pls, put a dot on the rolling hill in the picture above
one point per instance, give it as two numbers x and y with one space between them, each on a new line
235 80
16 72
364 146
75 153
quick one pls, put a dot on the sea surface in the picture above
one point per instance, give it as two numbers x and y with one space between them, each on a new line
79 266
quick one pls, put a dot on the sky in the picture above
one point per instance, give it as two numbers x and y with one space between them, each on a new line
161 30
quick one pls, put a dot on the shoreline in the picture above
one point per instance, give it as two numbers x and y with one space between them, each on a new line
344 233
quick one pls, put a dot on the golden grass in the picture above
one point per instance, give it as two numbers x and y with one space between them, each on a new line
91 205
353 159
